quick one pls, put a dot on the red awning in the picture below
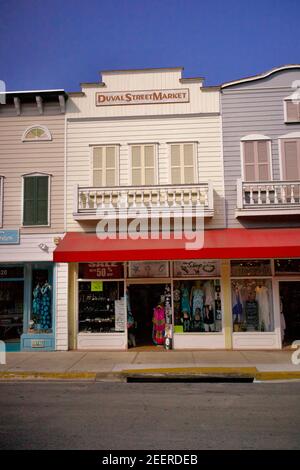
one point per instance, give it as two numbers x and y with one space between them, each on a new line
218 244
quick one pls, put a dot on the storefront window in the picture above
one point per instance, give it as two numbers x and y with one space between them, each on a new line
101 306
251 267
252 305
11 310
41 305
197 306
287 266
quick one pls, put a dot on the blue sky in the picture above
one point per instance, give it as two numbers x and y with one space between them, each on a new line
60 43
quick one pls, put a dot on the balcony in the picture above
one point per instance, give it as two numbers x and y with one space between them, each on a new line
117 200
267 198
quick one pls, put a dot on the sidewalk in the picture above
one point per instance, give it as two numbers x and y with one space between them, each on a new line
110 365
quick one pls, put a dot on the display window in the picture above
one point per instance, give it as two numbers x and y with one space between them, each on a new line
101 306
197 306
11 310
251 268
41 301
252 306
287 267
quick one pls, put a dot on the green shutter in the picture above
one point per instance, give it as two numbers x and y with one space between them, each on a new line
35 200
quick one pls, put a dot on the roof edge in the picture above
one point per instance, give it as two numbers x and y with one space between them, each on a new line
260 76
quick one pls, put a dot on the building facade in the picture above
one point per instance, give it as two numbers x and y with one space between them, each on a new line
33 289
261 145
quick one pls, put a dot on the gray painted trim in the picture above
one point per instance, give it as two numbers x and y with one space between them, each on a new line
261 76
152 116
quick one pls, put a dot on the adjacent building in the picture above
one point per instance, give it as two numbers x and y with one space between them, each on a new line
33 289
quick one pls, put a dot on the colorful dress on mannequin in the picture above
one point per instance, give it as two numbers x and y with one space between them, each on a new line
185 300
263 305
197 299
159 324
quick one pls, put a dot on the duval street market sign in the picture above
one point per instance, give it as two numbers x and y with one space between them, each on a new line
142 97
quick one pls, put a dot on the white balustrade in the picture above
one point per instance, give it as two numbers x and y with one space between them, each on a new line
268 194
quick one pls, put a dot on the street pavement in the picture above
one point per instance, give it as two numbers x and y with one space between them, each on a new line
187 416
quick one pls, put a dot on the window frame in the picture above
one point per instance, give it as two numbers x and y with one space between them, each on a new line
195 160
49 200
47 138
256 138
1 199
117 150
286 120
156 171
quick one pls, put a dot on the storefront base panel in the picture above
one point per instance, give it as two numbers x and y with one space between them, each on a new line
98 341
256 341
199 341
38 342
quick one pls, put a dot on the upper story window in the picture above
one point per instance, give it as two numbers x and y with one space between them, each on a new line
183 163
36 133
290 156
105 166
256 158
1 199
36 199
143 165
291 110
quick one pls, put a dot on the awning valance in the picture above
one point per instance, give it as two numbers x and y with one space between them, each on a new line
236 243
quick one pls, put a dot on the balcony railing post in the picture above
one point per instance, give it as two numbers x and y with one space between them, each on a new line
210 195
76 203
239 189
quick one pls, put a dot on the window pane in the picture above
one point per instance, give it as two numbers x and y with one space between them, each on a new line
97 178
249 173
136 156
110 178
149 176
262 151
249 152
136 177
176 175
252 305
39 132
110 157
149 156
292 111
188 150
97 157
175 155
189 175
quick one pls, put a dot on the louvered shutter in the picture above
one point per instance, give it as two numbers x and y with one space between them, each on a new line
291 159
41 200
36 196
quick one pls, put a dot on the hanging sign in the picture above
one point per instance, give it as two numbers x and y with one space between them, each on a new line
202 268
148 269
9 237
116 98
96 286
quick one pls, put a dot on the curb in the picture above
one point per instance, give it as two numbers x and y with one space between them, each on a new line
179 372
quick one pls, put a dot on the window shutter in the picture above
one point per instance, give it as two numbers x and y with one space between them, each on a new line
175 164
97 166
29 211
291 161
35 210
136 163
110 166
292 111
149 164
188 163
263 165
249 161
41 200
182 164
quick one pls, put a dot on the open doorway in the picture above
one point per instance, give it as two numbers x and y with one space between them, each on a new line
290 306
143 299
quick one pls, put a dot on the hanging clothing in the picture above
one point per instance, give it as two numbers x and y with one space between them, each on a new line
209 293
237 307
159 324
185 300
197 299
263 306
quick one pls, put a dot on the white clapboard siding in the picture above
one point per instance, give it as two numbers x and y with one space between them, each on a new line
205 130
18 158
61 323
29 250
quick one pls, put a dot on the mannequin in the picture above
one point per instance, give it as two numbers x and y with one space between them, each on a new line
185 299
209 321
197 297
263 305
237 307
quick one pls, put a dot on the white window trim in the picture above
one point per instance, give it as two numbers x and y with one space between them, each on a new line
156 175
290 135
1 199
289 98
47 138
49 200
195 158
117 149
251 138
